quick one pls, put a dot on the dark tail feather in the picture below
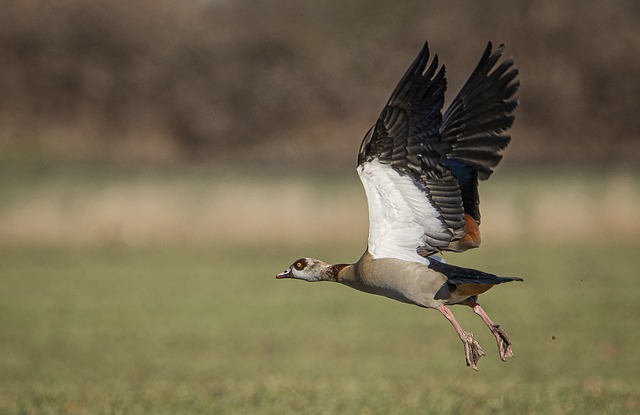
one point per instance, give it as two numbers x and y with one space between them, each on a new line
460 275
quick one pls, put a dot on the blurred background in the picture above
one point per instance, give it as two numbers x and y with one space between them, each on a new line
289 81
287 87
151 149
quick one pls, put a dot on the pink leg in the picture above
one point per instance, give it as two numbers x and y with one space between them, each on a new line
472 350
504 344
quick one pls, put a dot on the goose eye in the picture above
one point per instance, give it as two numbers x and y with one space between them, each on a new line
299 265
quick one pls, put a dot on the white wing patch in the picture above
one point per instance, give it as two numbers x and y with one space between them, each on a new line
399 213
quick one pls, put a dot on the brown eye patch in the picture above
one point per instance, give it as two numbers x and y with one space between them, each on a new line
300 264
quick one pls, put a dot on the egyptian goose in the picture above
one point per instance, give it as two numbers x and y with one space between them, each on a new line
420 171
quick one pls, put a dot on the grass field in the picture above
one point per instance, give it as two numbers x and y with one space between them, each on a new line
207 329
151 323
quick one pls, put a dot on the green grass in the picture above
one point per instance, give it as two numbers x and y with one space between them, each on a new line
208 329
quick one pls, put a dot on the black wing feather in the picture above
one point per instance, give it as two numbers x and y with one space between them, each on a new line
446 154
407 136
408 129
482 110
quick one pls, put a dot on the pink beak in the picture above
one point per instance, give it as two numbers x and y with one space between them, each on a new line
285 274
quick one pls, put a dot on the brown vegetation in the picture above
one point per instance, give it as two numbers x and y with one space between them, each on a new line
212 207
283 80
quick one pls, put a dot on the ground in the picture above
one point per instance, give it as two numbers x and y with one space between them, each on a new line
146 294
208 329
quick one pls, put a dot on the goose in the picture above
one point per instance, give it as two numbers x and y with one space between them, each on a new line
420 169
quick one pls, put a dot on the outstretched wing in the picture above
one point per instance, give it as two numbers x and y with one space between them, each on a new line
414 201
474 125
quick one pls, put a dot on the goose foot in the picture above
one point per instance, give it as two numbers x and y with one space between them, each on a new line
504 344
472 350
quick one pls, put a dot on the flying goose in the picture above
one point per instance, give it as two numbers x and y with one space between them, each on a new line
420 171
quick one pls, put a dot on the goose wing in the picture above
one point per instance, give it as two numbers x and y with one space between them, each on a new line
420 169
474 125
414 200
473 130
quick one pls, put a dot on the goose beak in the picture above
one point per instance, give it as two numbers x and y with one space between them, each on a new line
285 274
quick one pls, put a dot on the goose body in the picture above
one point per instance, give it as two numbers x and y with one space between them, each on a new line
420 170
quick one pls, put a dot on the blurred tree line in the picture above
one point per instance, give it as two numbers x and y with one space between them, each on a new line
301 81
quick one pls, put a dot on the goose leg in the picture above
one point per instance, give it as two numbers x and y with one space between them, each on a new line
504 344
472 350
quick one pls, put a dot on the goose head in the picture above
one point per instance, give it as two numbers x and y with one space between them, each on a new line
306 269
